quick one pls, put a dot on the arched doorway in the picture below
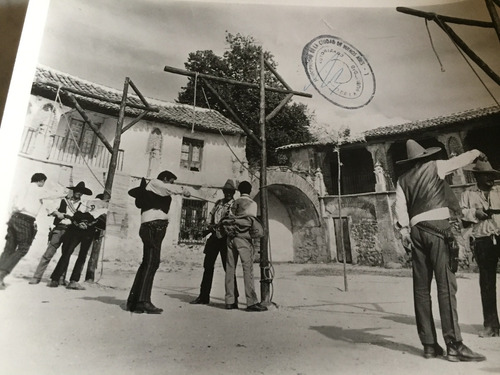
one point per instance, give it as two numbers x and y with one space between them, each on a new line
296 232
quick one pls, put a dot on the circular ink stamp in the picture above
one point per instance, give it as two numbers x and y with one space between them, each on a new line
339 72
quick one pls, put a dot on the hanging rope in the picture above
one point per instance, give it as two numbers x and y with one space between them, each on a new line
59 102
227 143
194 101
432 45
268 270
468 63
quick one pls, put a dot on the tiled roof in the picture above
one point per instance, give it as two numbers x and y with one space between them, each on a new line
410 127
180 115
436 122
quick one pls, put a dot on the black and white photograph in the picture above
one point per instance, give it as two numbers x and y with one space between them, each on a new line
249 187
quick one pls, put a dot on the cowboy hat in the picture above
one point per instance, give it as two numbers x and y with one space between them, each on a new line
414 151
80 187
166 175
481 167
134 192
229 185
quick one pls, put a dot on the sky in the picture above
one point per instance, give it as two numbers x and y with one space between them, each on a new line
104 41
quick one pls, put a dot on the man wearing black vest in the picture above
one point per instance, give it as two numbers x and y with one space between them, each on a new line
423 214
154 200
62 219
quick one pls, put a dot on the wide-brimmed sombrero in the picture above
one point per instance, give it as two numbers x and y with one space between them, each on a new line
80 187
414 151
134 192
481 166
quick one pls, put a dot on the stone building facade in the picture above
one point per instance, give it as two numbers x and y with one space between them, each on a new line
369 174
190 143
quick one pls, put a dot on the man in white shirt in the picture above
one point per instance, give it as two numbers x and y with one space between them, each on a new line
422 211
154 200
481 209
21 227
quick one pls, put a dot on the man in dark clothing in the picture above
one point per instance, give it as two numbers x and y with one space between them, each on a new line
62 219
100 230
154 200
79 232
423 214
216 242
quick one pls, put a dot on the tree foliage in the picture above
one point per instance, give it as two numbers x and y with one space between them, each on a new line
241 62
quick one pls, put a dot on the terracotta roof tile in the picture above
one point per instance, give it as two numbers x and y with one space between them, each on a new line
407 128
180 115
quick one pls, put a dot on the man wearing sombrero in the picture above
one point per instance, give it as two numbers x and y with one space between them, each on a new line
79 232
481 208
62 219
422 211
216 243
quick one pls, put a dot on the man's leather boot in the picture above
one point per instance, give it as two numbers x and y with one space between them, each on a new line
458 352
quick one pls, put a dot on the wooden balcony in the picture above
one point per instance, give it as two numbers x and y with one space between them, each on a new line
64 150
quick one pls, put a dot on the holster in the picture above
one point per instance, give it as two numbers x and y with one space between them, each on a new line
453 250
450 241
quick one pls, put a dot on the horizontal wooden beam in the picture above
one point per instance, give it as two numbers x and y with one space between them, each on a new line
188 73
245 128
433 16
93 96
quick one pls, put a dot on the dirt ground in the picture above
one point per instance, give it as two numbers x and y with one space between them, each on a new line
315 327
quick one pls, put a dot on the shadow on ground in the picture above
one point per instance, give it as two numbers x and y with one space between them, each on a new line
410 320
108 300
187 298
364 336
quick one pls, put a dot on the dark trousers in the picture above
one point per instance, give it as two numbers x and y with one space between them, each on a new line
152 234
213 247
94 255
20 234
487 254
71 239
430 257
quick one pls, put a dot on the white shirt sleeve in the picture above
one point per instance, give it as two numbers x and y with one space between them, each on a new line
445 167
467 206
161 188
401 208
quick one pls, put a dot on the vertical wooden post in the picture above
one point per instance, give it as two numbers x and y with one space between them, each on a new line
116 144
341 224
265 294
494 16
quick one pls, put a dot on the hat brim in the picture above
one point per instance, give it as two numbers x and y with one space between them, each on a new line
85 191
135 191
472 168
428 152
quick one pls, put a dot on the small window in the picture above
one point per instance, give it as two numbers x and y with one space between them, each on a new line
80 138
193 221
191 154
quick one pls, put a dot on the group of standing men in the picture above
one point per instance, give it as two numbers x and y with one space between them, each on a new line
423 204
76 222
232 227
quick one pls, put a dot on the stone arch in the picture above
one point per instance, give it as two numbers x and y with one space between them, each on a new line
295 225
